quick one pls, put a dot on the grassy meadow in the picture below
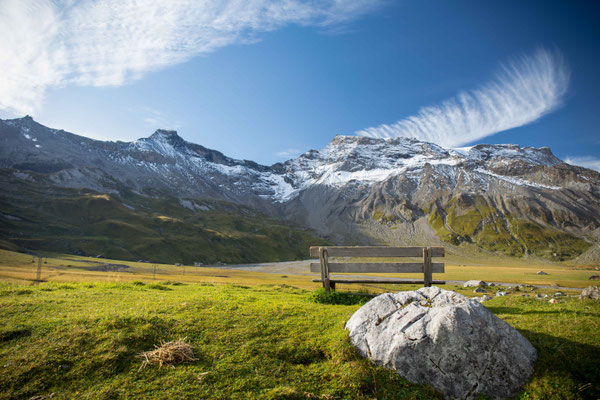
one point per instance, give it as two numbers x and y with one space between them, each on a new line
79 333
21 268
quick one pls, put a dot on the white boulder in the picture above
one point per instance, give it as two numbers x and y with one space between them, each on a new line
591 292
438 337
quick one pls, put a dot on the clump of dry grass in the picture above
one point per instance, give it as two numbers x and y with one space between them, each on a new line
170 353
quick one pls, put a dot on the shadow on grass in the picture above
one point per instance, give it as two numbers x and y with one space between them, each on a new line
564 368
497 310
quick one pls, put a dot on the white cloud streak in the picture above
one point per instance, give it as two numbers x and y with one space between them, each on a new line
54 43
522 92
585 161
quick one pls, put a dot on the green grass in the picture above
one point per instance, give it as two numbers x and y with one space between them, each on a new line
83 340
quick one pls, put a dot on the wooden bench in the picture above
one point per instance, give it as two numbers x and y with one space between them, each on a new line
426 266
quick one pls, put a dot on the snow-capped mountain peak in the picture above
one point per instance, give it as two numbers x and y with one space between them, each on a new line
351 180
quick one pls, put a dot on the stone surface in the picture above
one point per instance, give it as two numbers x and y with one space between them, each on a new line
474 283
542 273
438 337
479 290
591 292
553 301
500 293
483 298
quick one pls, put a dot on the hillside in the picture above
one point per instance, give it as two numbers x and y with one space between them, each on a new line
40 216
488 198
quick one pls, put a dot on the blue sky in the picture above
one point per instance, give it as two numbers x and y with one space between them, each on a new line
268 80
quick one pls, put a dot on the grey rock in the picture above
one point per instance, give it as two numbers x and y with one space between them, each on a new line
542 273
483 298
594 278
525 295
479 290
559 294
538 296
524 288
439 337
500 293
474 283
591 292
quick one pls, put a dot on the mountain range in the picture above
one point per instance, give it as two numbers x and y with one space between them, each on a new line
60 189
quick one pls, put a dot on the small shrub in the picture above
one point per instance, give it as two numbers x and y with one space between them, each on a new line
158 286
332 297
138 283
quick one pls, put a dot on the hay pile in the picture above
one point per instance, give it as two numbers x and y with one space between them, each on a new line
170 353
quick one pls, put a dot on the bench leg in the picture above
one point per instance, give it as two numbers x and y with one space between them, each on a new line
325 269
427 267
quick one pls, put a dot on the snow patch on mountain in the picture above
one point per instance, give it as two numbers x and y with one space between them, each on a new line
516 181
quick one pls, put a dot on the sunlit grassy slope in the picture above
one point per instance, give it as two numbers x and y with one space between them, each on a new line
129 226
83 340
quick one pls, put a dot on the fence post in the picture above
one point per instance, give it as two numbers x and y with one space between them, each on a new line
38 275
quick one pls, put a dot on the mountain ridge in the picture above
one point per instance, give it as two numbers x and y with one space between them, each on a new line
507 198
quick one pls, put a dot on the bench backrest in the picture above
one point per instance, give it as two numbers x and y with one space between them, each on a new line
425 266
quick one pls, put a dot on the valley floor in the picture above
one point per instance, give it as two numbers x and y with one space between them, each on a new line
22 268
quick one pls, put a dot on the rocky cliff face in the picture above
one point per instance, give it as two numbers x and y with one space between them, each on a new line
502 198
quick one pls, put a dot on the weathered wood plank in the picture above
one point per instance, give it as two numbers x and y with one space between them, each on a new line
382 268
427 267
435 282
375 251
324 264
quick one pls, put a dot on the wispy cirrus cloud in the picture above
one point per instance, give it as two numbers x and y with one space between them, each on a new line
585 161
522 92
53 43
